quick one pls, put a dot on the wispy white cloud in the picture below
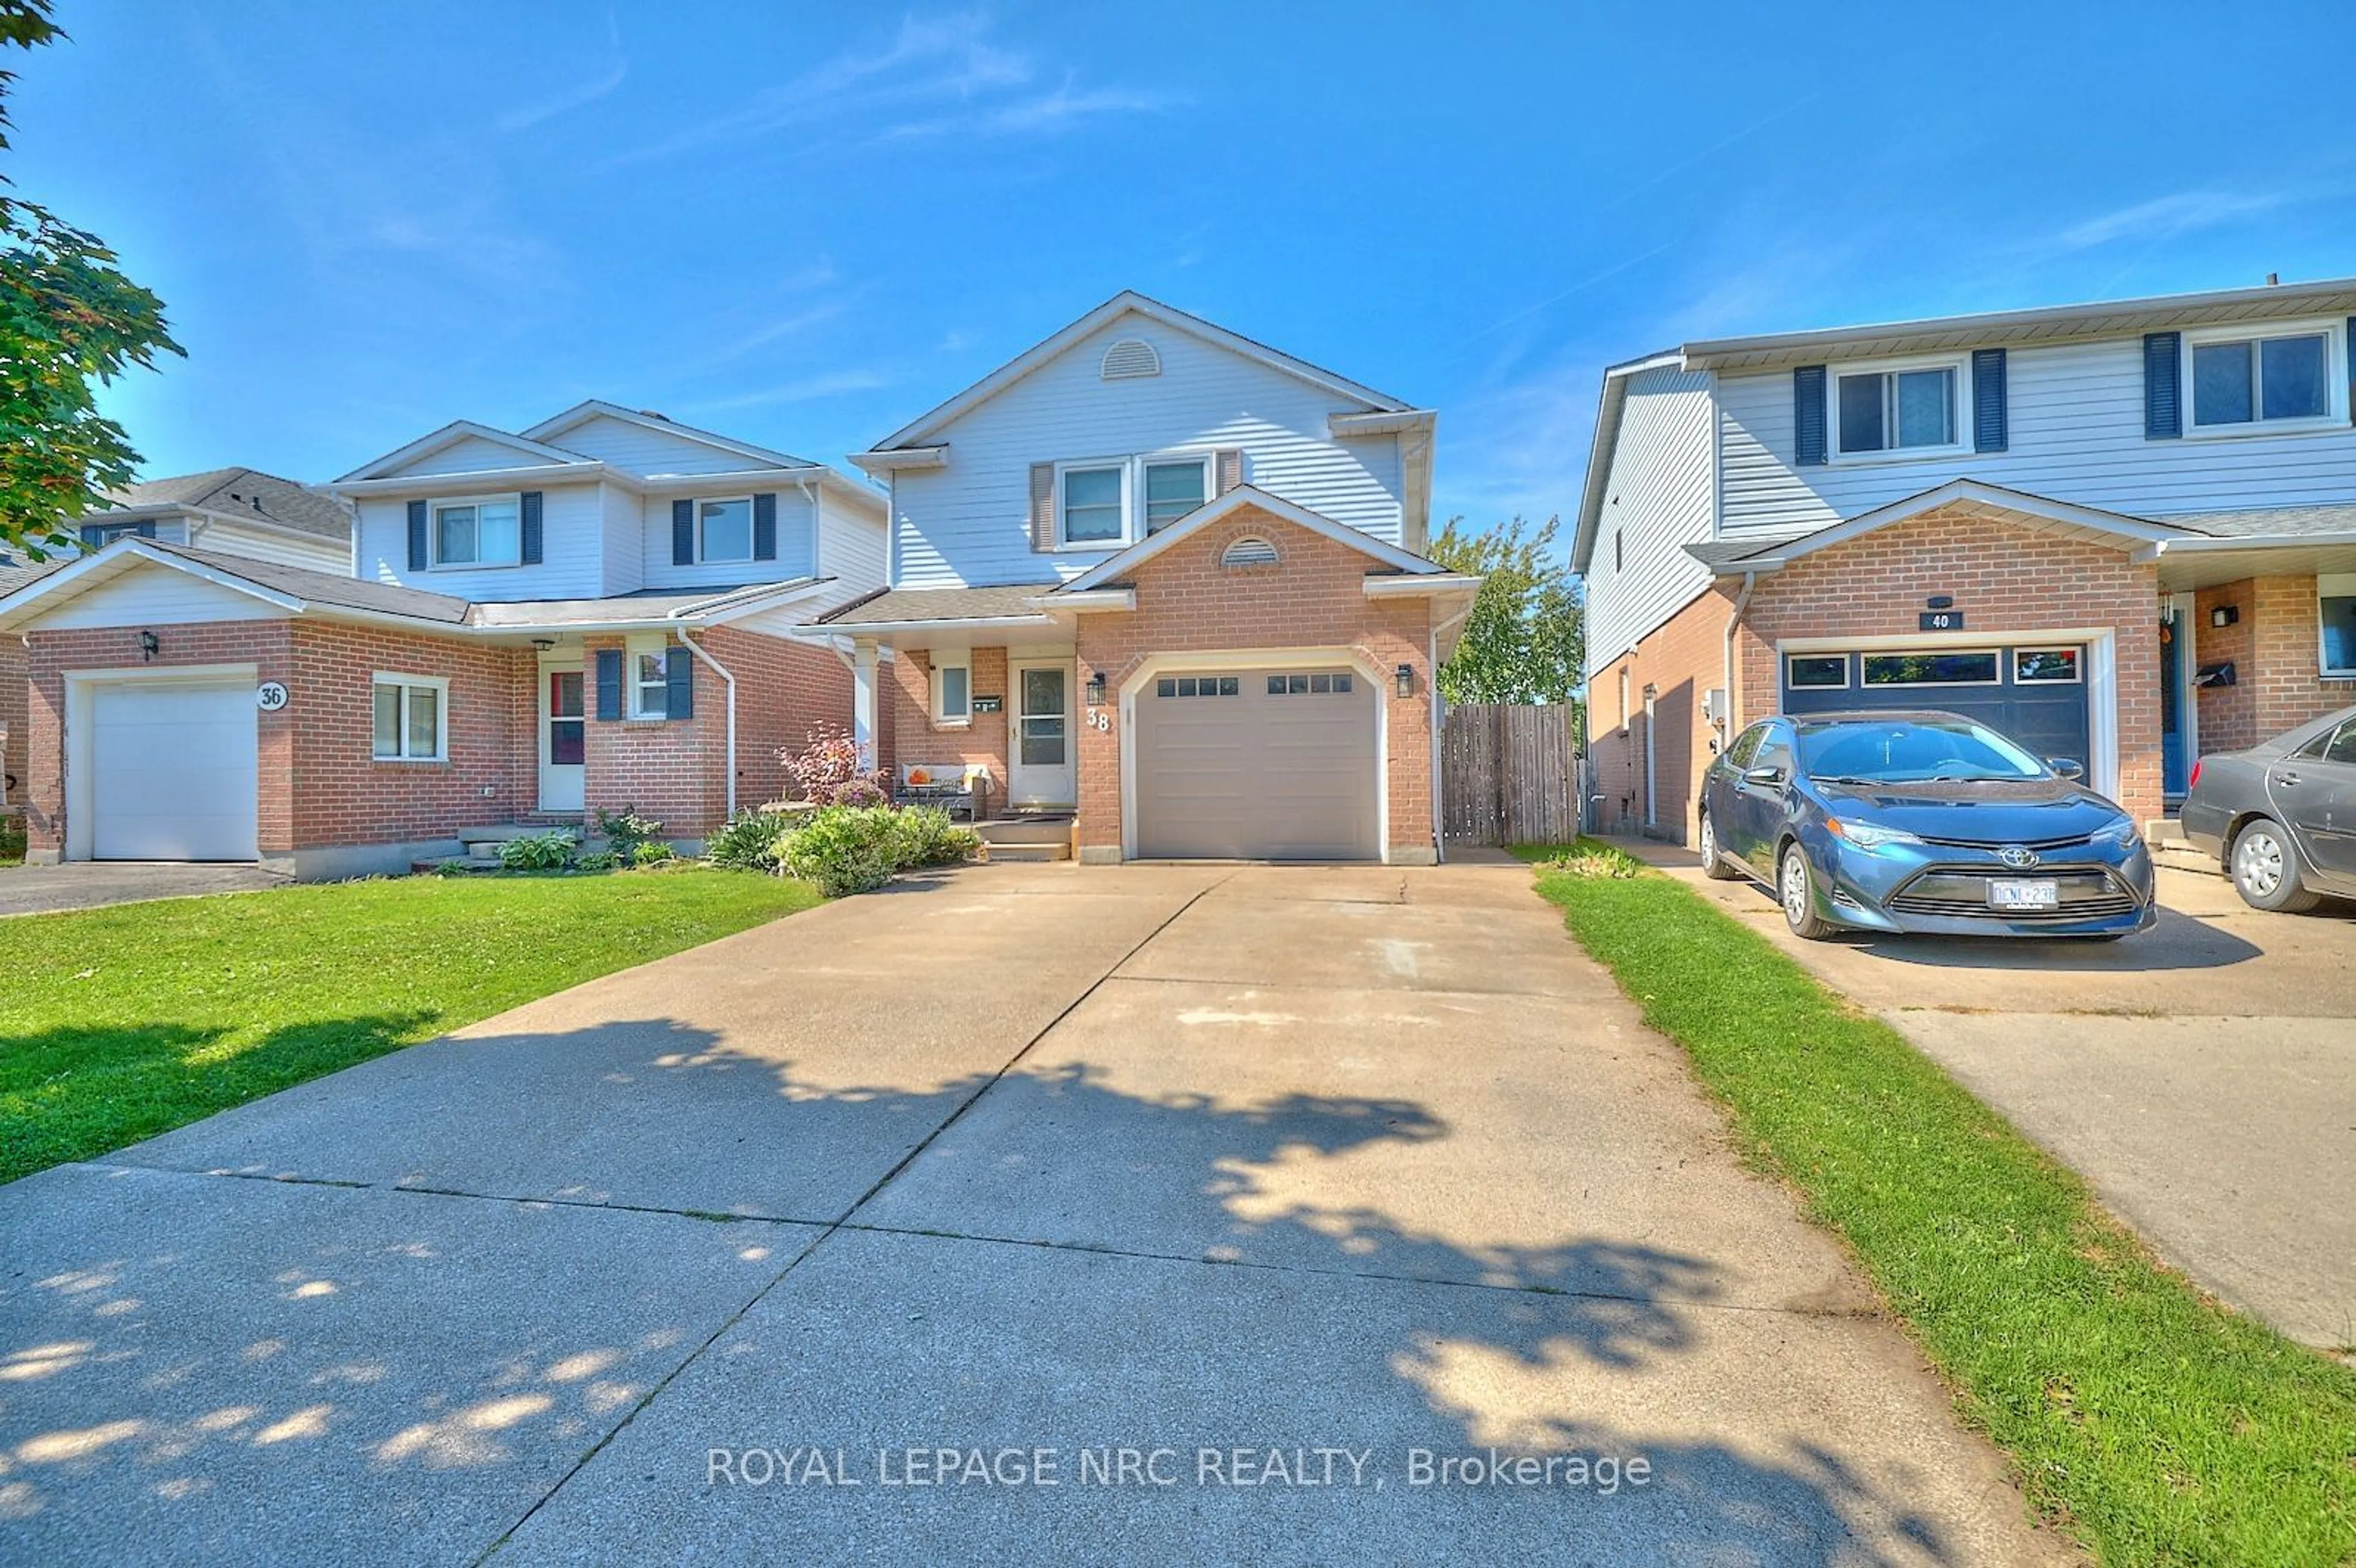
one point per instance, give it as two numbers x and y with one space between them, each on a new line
2167 215
802 390
609 80
938 75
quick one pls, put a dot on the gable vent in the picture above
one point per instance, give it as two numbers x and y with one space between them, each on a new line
1248 550
1130 360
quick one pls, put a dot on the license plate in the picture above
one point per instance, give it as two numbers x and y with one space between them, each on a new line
2042 892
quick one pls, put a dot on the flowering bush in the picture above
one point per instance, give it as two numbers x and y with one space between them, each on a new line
844 849
829 772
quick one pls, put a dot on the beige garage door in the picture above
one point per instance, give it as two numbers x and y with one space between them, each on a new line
1259 765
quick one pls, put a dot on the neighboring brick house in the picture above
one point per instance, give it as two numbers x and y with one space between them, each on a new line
596 611
1168 581
234 511
2124 532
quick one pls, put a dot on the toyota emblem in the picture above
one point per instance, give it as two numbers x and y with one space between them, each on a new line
2019 857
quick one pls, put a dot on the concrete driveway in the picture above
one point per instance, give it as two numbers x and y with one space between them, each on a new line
2202 1074
93 884
1140 1215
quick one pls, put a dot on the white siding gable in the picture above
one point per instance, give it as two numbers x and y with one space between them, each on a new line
1658 499
968 524
468 454
850 550
638 449
2077 419
573 533
307 551
148 595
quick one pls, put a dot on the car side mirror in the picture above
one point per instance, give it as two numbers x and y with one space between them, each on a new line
1770 777
2068 767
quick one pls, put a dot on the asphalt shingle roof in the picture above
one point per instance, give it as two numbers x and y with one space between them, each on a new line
939 605
2269 520
237 492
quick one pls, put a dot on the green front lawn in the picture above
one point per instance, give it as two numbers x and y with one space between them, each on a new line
118 1024
2158 1426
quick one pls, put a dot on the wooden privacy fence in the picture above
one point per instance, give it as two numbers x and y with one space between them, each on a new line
1509 773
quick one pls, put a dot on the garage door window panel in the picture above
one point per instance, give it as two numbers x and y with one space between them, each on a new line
410 718
2046 666
1930 667
1819 671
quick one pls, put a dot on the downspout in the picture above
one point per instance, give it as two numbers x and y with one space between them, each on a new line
1733 623
729 682
818 525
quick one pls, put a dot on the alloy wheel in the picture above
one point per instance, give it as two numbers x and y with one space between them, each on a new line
1795 886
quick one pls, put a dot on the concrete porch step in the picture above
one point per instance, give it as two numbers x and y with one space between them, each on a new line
1027 852
1041 828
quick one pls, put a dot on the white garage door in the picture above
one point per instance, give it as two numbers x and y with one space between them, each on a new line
172 770
1260 765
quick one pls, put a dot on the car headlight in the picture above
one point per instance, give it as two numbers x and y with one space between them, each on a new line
1868 834
2123 833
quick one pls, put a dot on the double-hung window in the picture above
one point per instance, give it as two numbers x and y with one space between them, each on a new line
1107 503
2247 383
1904 408
411 715
483 531
724 529
646 673
952 690
2336 609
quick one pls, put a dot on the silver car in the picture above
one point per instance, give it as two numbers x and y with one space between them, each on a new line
2281 817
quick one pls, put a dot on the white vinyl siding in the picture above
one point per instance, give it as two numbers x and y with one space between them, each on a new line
573 562
968 524
2077 420
643 451
850 550
796 553
149 595
310 552
472 453
1657 500
623 537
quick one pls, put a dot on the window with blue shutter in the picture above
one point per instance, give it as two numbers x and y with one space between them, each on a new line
679 669
609 685
532 540
764 528
2163 384
682 533
417 558
1808 443
1991 424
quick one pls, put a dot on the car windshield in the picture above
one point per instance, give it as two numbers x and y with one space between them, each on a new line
1911 750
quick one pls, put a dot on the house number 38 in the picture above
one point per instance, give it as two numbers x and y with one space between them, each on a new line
1100 719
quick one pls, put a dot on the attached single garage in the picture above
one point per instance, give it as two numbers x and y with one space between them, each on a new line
162 767
1257 765
2034 692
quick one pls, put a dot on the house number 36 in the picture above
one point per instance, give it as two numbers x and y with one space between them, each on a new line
1100 719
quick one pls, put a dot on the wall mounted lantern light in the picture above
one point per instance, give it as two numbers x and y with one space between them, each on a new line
1097 689
1406 680
149 646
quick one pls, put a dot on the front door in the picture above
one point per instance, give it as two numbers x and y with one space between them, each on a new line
564 737
1041 763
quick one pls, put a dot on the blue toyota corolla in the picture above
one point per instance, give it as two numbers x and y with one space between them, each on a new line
1920 822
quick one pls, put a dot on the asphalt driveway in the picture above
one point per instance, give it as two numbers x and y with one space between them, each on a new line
1145 1214
2202 1074
93 884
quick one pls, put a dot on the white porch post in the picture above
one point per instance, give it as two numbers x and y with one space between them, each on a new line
863 704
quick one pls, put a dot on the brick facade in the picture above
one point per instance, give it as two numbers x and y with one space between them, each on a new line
320 789
1313 597
2012 582
12 717
906 688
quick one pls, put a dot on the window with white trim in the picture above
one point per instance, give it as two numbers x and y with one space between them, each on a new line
953 690
2335 595
1801 671
481 530
2046 666
724 529
1931 668
411 718
1107 502
1911 410
2240 382
646 673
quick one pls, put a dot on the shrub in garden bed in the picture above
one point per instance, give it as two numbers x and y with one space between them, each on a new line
851 849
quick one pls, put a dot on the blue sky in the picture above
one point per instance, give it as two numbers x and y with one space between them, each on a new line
804 225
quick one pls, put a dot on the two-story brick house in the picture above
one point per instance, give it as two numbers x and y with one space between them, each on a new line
233 511
594 611
1168 580
2124 532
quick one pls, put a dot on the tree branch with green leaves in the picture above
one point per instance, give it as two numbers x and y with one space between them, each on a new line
1525 638
70 322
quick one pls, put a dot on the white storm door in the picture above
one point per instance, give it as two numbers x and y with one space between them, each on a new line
1044 771
564 737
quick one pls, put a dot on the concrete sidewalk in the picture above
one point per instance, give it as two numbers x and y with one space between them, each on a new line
1316 1175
